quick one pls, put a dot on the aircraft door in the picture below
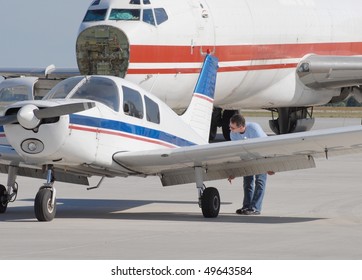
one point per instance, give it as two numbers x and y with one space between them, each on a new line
204 39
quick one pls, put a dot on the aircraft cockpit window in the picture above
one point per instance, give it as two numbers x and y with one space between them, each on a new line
13 94
62 89
99 89
96 2
135 2
146 2
152 111
161 15
125 14
148 16
132 103
95 15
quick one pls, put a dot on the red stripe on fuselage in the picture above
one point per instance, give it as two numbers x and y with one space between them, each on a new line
184 54
135 137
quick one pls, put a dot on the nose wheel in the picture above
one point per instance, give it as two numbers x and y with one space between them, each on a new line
44 206
45 201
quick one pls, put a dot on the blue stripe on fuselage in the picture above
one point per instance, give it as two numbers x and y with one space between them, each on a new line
129 128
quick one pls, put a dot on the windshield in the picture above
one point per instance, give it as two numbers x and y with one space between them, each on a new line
100 89
62 89
13 94
125 14
95 15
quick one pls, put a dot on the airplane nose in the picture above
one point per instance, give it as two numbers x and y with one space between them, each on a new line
103 50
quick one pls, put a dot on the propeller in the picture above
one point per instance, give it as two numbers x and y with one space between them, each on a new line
30 116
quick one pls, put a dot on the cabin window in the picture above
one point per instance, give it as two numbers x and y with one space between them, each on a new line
132 103
125 14
95 15
148 16
99 89
161 15
152 111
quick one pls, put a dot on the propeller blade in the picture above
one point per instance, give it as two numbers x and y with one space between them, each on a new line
61 110
8 119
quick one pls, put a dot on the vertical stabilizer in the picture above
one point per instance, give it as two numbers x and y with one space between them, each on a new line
198 114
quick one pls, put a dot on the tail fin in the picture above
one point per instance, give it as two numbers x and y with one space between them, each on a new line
198 114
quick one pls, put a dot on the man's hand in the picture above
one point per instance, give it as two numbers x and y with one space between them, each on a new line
231 177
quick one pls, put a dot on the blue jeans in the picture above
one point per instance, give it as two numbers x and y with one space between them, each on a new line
254 189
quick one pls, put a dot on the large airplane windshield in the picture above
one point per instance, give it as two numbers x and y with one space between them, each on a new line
125 14
95 15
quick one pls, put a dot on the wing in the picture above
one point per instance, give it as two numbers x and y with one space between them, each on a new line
241 158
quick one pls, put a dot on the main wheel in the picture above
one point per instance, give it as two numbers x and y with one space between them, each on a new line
44 210
3 199
210 203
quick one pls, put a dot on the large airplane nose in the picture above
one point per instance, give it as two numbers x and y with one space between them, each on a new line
103 50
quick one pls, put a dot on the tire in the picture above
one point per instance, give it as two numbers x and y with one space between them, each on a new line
3 205
210 203
44 212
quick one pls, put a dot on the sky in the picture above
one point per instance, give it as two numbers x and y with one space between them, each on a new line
37 33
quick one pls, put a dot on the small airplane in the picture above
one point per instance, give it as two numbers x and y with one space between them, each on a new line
287 69
106 126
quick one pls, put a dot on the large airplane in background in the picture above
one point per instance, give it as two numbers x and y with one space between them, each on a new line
285 56
107 126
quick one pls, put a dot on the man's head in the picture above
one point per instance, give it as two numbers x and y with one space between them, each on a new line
237 123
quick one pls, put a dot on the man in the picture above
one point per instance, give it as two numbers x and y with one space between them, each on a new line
254 186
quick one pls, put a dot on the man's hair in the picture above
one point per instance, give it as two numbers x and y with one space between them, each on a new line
238 119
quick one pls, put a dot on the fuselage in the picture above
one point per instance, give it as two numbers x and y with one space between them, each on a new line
160 45
125 118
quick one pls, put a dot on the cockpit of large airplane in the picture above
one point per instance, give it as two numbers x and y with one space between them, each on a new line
140 12
103 44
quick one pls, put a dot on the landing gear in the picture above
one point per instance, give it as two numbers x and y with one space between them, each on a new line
10 193
44 205
45 200
3 199
221 118
291 119
210 203
209 198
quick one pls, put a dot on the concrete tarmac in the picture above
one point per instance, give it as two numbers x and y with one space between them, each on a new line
307 214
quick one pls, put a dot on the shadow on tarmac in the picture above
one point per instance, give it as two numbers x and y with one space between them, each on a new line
120 209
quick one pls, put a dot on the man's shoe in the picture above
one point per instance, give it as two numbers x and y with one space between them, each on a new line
252 212
242 211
